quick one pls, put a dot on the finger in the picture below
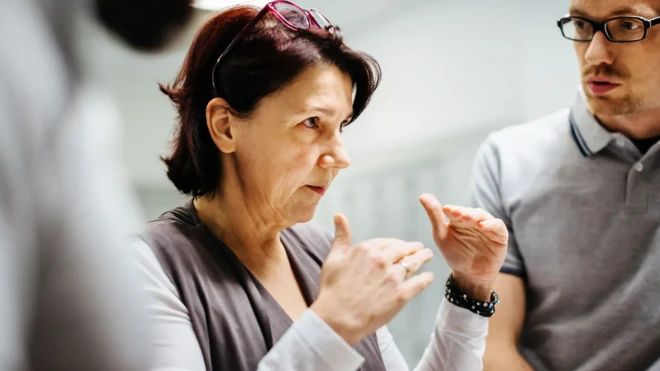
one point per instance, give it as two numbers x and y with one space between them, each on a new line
473 213
435 214
465 216
342 240
397 251
414 262
457 218
383 243
415 284
492 224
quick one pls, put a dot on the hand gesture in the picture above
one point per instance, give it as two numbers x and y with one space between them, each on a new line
472 242
364 286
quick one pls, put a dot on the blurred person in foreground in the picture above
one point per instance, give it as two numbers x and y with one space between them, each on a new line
580 193
238 278
67 293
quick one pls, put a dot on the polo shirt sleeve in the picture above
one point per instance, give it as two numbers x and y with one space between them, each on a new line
486 193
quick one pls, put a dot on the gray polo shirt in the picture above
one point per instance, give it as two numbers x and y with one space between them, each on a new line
583 208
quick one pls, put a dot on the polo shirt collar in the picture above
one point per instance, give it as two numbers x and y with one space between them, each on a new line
589 135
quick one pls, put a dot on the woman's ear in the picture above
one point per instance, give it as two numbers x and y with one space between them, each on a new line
219 122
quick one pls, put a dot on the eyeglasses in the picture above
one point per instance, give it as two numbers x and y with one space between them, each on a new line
290 14
619 29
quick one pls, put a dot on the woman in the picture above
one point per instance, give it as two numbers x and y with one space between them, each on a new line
234 277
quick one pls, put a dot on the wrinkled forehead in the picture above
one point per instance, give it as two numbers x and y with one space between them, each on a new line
320 87
602 9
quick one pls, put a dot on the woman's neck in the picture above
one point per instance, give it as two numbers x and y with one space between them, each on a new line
241 226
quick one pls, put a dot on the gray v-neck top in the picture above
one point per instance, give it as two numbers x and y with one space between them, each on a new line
235 319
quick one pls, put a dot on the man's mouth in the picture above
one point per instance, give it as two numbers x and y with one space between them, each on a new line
601 85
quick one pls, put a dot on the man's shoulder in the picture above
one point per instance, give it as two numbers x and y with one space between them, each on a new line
518 154
550 130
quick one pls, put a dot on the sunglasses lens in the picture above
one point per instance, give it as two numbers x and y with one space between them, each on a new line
293 15
320 19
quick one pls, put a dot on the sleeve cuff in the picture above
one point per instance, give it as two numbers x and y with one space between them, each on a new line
460 319
327 344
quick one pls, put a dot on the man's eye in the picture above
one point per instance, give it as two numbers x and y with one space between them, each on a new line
629 26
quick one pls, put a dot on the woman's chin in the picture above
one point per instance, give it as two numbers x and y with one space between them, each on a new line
303 214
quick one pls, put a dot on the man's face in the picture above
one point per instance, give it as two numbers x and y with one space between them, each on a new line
619 78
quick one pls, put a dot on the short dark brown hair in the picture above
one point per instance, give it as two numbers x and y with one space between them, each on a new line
265 61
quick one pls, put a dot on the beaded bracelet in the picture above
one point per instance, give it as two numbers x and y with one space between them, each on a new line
456 297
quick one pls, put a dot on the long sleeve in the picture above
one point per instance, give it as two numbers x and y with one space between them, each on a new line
310 344
458 343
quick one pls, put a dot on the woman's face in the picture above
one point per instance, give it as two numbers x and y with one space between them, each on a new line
290 149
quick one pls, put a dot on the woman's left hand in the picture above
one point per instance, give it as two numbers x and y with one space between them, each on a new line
473 243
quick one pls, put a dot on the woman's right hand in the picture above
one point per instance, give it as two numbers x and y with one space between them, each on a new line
364 286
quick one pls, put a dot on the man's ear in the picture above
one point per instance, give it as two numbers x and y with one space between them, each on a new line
219 122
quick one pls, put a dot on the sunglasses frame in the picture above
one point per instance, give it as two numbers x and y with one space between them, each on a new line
272 9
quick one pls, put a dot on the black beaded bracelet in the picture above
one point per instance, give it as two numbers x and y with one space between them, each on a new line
456 297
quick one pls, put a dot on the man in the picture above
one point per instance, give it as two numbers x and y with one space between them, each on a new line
65 284
580 193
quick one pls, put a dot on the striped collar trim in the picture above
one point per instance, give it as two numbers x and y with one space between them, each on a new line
589 135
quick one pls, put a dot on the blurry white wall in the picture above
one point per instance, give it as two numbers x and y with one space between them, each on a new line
453 70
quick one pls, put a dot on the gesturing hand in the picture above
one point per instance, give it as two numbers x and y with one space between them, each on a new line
364 286
472 242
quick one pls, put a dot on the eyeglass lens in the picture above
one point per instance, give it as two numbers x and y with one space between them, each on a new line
619 29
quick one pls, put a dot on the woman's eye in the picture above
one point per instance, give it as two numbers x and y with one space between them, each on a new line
311 122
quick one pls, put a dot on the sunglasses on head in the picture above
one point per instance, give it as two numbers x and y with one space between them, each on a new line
290 14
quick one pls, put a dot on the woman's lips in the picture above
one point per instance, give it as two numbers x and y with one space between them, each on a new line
318 189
